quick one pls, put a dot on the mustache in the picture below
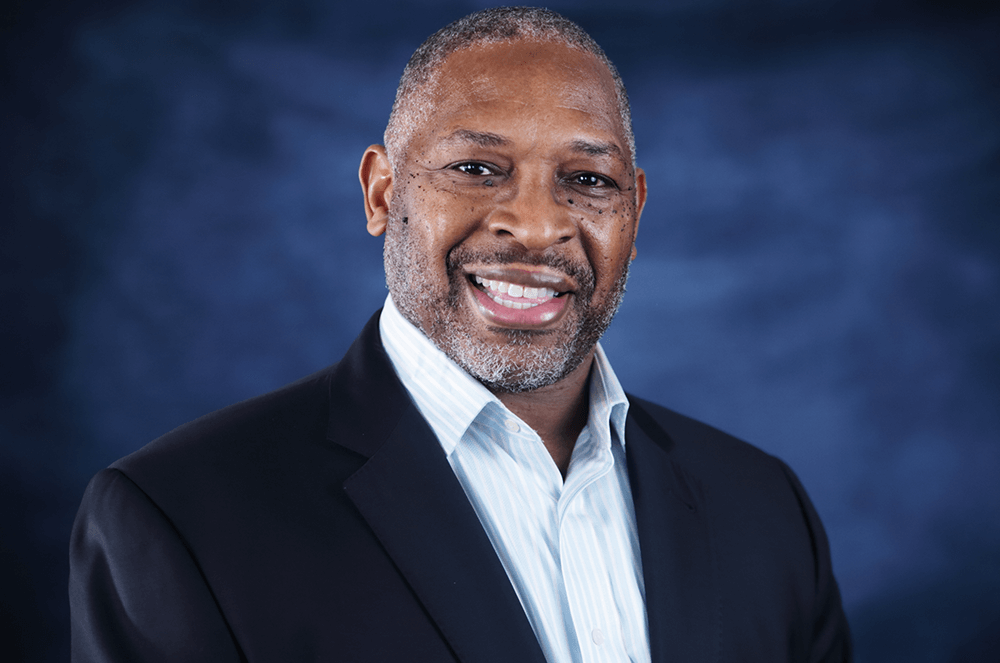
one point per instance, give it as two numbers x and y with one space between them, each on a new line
581 273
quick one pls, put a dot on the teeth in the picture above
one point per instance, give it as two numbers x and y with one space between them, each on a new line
496 288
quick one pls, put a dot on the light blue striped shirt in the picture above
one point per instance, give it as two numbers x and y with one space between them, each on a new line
570 549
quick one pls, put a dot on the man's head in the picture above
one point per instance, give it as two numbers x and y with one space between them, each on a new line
512 202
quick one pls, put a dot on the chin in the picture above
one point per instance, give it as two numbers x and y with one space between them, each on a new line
517 366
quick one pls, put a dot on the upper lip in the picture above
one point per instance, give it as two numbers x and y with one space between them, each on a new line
532 276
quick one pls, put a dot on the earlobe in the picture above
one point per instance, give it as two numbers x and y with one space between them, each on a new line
375 174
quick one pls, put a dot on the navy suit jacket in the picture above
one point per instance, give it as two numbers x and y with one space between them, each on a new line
322 522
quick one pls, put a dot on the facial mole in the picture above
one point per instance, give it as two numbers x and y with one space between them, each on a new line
488 183
569 200
406 219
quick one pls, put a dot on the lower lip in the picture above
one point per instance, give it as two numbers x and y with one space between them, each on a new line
529 318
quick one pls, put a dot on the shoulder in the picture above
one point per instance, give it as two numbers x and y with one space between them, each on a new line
274 444
295 411
701 449
747 491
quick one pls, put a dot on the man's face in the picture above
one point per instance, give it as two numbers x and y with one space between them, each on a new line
512 213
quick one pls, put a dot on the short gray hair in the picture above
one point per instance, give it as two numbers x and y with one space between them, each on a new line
488 26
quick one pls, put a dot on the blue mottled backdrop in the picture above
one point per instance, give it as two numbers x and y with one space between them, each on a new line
818 267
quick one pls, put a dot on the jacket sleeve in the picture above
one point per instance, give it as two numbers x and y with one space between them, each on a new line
830 640
136 592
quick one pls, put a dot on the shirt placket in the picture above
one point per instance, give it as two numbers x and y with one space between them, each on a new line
550 614
583 559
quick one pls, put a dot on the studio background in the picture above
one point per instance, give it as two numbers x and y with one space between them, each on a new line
818 265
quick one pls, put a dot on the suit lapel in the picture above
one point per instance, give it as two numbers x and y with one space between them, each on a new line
413 502
682 599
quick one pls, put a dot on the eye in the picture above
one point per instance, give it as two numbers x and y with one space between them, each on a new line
591 180
474 168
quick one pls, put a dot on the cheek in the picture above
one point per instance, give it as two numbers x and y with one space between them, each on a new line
449 221
418 213
625 221
608 237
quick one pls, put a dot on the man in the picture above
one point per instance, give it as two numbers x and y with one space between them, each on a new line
469 483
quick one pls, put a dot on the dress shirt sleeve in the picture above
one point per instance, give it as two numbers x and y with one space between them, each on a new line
136 592
830 640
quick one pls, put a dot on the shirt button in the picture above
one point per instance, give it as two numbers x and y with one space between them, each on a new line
512 425
597 636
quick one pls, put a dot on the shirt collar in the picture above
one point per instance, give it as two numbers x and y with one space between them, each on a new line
608 402
450 399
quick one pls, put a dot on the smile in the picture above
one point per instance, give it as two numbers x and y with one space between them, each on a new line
519 298
513 295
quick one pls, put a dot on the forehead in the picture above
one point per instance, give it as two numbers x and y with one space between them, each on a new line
523 84
523 64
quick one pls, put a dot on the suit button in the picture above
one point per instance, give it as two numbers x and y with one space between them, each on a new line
511 425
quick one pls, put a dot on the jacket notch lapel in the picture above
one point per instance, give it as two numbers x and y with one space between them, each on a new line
410 497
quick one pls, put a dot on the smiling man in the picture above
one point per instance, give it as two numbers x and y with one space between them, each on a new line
511 218
470 483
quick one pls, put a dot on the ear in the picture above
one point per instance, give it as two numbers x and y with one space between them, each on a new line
640 202
376 183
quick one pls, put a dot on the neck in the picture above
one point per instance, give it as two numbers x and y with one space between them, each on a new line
557 412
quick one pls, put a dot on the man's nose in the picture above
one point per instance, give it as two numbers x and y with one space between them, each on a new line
533 216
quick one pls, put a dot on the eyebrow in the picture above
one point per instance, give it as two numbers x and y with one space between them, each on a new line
480 138
487 139
596 149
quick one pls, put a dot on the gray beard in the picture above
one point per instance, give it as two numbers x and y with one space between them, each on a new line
521 365
535 367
